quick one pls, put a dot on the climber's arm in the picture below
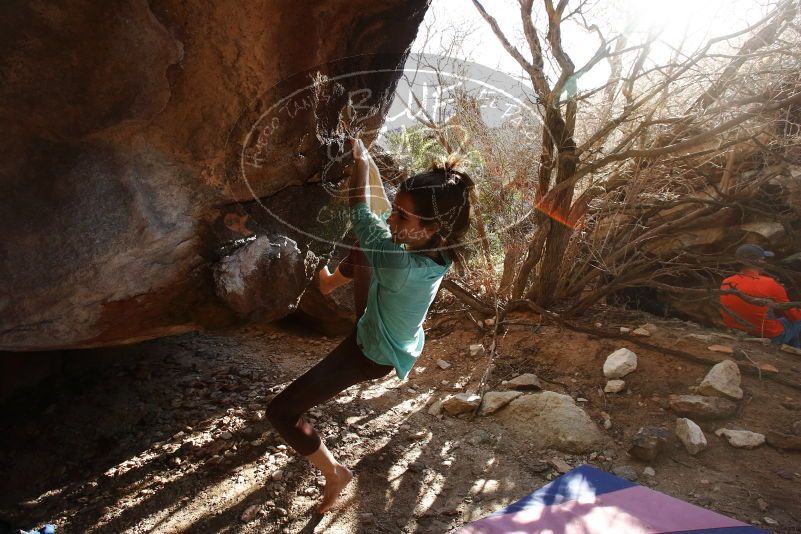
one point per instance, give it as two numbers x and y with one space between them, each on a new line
358 177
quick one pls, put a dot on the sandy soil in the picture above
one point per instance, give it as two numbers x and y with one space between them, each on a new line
169 435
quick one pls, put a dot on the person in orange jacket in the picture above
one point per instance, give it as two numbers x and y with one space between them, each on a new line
781 326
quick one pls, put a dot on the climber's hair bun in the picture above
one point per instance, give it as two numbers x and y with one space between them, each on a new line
451 166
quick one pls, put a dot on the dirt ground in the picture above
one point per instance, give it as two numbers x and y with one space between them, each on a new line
169 435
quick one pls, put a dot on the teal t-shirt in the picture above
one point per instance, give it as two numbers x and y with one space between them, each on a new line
402 288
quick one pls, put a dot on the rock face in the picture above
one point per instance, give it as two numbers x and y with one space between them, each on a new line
549 419
147 135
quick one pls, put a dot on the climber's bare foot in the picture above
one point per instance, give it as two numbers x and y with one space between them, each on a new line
334 486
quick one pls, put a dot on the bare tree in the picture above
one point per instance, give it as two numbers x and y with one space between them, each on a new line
659 120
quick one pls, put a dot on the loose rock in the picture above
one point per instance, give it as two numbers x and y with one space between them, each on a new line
649 442
250 513
641 332
527 381
495 400
691 435
477 350
442 364
790 350
702 407
436 408
784 441
797 428
742 439
725 349
620 363
649 472
625 472
461 403
615 386
723 380
560 465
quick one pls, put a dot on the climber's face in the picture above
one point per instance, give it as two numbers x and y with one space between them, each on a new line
406 226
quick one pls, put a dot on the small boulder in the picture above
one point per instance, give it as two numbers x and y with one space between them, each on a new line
649 442
615 386
551 420
723 380
620 363
702 407
527 381
495 400
460 403
476 349
691 435
742 439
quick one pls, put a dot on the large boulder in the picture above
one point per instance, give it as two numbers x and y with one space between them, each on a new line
148 136
551 420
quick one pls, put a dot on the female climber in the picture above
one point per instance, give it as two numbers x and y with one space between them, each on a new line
409 251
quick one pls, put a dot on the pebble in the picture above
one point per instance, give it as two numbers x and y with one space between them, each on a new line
615 386
649 472
625 329
641 332
770 521
476 350
250 513
442 364
560 465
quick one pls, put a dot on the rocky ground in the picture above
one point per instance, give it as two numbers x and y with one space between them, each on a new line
169 435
